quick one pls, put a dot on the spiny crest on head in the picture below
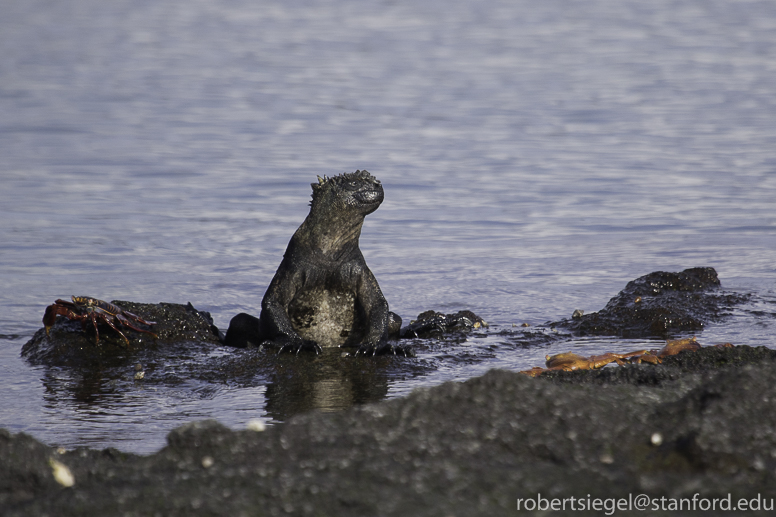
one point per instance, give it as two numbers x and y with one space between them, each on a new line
326 182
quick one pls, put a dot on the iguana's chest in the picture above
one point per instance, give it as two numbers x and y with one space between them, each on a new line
324 314
323 308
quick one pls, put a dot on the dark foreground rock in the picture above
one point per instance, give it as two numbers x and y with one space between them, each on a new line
659 304
470 448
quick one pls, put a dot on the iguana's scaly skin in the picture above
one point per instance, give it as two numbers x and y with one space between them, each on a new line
323 294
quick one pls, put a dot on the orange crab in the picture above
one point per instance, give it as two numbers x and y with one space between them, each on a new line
569 361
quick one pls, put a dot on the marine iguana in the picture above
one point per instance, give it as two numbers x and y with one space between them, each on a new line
323 294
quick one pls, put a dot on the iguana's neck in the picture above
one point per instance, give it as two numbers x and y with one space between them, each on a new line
330 232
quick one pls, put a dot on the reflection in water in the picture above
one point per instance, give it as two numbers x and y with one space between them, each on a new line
88 387
294 383
328 383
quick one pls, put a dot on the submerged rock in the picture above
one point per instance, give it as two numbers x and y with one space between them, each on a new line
659 304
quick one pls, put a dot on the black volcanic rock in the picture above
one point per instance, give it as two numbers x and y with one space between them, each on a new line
70 344
659 304
470 448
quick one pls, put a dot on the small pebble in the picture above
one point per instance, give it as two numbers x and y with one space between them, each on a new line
656 439
254 424
139 375
207 462
606 459
62 474
138 367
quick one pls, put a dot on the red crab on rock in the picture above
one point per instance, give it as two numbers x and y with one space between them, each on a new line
86 309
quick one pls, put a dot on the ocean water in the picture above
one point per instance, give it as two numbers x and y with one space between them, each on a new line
535 157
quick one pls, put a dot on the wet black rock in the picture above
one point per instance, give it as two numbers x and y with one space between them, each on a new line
470 448
70 344
432 324
659 304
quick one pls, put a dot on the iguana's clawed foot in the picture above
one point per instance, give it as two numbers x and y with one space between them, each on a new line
300 346
384 349
306 346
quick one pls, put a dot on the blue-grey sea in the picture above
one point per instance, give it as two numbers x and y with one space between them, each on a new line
536 156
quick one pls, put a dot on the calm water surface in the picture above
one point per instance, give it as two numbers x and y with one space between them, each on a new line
535 157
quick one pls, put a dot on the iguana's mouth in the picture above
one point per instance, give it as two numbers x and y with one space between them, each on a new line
368 197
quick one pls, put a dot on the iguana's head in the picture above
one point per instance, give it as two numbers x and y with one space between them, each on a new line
356 191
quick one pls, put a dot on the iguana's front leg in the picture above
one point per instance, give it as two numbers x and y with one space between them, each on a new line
381 322
275 323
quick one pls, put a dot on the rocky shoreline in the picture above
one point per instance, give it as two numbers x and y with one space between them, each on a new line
701 422
705 423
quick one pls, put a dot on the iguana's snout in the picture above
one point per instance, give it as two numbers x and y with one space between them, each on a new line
372 196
